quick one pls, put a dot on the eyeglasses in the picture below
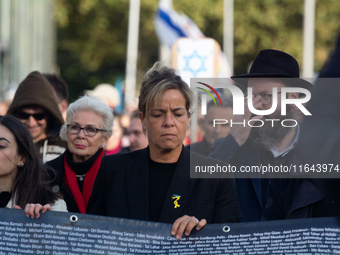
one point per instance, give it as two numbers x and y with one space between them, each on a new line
88 130
25 116
266 98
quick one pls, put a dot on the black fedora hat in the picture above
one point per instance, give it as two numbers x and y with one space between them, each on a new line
274 64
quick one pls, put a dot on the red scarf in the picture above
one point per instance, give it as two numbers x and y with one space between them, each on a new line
71 183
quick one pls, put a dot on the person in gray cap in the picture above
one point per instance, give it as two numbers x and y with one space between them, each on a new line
35 104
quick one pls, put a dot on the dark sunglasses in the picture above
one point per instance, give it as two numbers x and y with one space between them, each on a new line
36 116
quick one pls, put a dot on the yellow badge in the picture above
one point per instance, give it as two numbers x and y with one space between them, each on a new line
176 197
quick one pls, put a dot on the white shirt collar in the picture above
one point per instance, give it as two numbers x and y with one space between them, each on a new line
276 152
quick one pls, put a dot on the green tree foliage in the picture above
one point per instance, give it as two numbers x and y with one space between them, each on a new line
92 34
91 41
278 24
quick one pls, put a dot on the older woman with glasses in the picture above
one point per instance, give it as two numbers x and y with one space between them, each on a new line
87 129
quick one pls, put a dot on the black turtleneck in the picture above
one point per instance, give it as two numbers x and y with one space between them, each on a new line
160 175
80 168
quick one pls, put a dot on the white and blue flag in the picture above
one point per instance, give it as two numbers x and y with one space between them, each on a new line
170 25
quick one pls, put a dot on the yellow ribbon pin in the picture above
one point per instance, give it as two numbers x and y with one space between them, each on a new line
176 197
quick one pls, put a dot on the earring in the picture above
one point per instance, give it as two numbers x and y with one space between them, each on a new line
21 165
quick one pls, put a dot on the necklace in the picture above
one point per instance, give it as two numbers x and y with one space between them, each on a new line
81 177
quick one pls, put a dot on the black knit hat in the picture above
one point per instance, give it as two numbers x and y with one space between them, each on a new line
275 64
36 90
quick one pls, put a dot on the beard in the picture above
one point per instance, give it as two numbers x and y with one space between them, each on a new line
271 133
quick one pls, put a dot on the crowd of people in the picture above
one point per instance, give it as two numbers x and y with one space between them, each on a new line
56 156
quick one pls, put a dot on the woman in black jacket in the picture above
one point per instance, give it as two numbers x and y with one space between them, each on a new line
154 184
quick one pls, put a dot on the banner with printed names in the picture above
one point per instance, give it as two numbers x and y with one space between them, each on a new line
72 234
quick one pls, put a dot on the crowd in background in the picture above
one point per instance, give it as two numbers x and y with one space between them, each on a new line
74 142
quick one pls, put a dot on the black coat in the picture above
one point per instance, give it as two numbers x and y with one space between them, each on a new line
292 199
121 190
58 183
251 192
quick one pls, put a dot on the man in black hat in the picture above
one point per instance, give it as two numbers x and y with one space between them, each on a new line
312 196
273 141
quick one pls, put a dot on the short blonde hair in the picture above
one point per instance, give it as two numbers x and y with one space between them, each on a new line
157 80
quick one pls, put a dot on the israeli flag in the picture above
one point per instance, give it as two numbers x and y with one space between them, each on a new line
170 25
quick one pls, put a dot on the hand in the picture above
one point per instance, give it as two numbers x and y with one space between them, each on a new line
33 210
186 223
239 132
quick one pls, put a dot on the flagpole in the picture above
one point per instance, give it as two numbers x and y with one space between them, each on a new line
228 32
132 51
308 39
164 54
165 50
